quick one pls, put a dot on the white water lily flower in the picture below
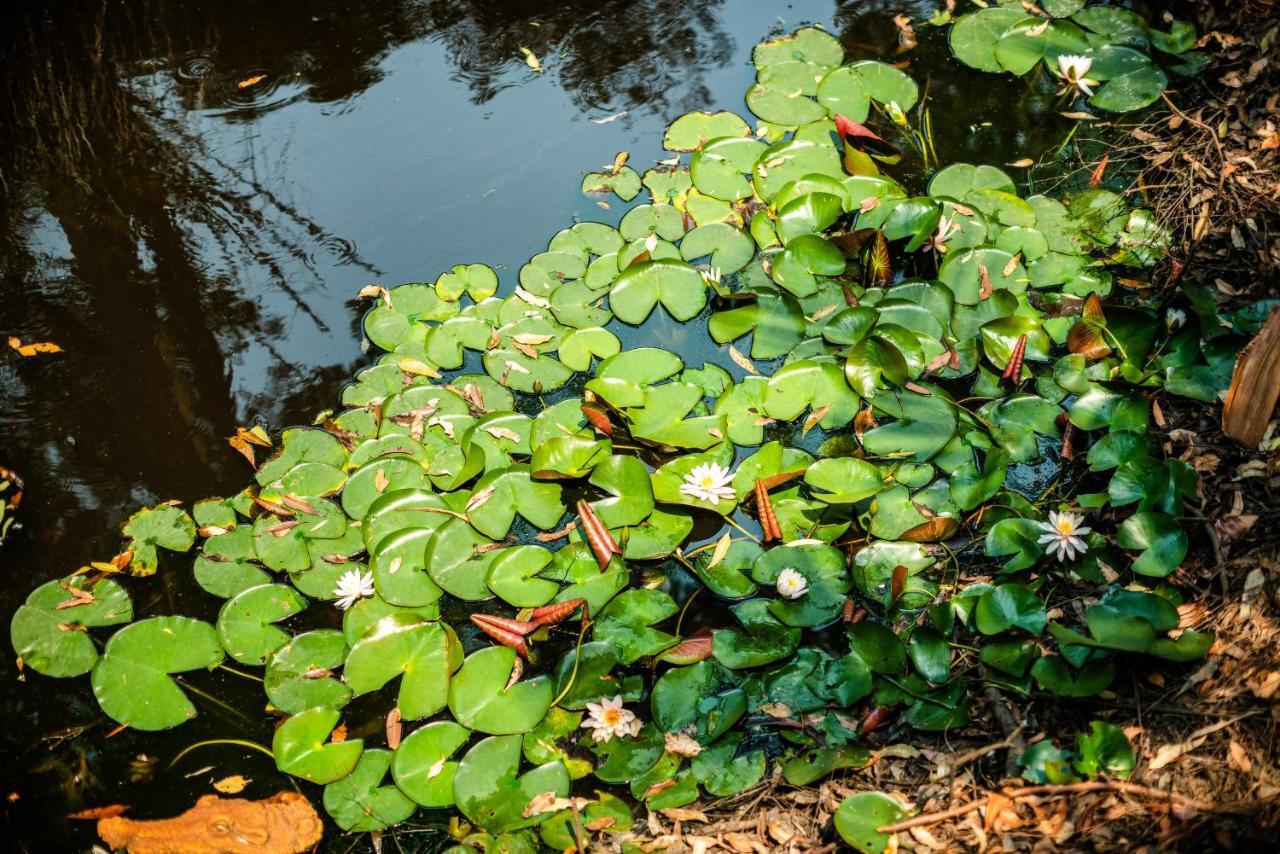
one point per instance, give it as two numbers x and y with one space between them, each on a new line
353 586
1065 535
711 276
1175 319
608 719
708 482
1073 69
791 584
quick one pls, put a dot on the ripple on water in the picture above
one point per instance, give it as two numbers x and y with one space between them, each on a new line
194 68
332 249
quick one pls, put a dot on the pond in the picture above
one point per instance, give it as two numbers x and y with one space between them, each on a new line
194 195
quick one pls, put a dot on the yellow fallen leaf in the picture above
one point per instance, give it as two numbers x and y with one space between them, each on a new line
531 60
33 349
232 785
417 367
1023 163
721 549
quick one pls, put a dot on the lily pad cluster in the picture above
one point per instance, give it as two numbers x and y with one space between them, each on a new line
676 577
1109 53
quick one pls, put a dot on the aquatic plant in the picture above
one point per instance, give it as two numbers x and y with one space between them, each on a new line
1106 53
908 383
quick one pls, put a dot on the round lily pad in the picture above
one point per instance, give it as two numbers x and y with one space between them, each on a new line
301 747
423 654
245 627
481 699
422 767
359 802
859 816
300 673
490 791
46 629
132 680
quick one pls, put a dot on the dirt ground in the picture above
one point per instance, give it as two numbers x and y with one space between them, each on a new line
1205 736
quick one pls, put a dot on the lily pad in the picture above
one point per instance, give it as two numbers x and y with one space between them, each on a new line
422 765
640 287
481 698
300 673
45 631
423 654
490 791
245 627
163 526
301 748
859 816
359 802
132 680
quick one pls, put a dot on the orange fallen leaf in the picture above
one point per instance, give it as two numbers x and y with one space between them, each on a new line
33 349
251 81
95 813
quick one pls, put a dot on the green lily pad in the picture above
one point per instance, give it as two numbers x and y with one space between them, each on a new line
723 772
627 621
480 698
132 679
843 480
510 491
691 130
514 575
245 627
359 802
761 640
163 526
625 183
1103 750
47 637
1009 605
627 481
300 673
640 287
490 791
1160 538
422 767
859 816
974 36
301 749
849 90
423 654
823 568
227 565
478 281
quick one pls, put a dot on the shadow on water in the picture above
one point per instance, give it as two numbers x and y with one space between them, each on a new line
192 192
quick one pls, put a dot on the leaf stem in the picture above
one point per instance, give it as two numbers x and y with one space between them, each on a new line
236 742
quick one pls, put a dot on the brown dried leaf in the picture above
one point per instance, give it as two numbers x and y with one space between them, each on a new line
1255 386
394 728
813 418
742 361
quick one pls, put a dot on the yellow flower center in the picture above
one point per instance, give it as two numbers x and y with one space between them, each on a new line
612 717
1065 527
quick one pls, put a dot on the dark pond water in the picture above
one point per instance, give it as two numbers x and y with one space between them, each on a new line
196 247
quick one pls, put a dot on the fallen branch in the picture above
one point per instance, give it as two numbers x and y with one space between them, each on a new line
1053 791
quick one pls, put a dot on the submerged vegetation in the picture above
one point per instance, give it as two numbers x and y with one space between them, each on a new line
922 469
